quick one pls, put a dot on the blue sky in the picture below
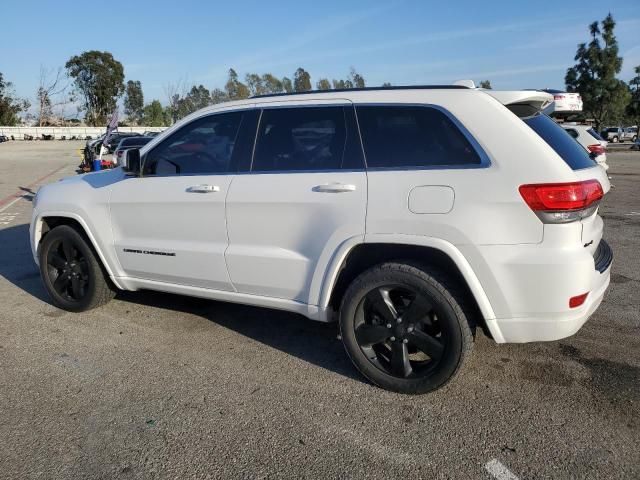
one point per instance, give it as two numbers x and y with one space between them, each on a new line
515 44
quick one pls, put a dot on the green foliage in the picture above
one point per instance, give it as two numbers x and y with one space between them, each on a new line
386 84
153 115
594 75
323 84
272 84
633 109
218 96
236 90
10 106
100 80
301 80
485 84
356 79
134 101
287 85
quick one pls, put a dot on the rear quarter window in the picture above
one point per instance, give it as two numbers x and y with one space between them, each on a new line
557 138
413 136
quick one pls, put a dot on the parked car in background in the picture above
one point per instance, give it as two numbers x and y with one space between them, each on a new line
612 134
586 136
269 202
127 143
629 134
149 133
115 138
3 138
565 101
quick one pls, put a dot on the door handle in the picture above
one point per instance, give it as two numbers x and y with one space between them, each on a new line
203 189
334 188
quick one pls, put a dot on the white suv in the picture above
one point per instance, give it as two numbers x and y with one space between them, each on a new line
415 215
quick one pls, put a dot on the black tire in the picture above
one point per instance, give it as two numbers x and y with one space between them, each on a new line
71 272
614 139
634 138
436 310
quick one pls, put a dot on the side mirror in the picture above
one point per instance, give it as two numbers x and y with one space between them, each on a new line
131 161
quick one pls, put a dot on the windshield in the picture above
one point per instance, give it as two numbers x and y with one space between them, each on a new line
562 143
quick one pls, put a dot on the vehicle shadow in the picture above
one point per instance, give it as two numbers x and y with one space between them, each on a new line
313 342
296 335
16 263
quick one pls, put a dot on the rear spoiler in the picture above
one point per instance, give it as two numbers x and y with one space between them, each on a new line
524 103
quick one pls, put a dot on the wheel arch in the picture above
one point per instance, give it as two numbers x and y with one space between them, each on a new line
46 222
383 248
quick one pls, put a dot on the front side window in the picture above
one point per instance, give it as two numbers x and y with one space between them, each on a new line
300 139
202 147
412 136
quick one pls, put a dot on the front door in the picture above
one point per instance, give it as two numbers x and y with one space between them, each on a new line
304 196
169 223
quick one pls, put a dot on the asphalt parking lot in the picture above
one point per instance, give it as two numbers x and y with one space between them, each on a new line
154 385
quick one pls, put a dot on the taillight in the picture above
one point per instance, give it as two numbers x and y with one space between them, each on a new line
558 97
563 202
597 149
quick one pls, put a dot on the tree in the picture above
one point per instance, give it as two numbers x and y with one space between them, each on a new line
51 88
134 101
323 84
594 75
100 80
218 96
386 84
633 109
236 90
485 84
301 80
255 84
272 84
357 80
197 98
153 115
287 84
10 106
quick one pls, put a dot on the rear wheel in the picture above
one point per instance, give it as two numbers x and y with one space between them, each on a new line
614 139
634 138
71 272
404 327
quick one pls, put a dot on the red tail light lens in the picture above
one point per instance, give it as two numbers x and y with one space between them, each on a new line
558 97
563 202
597 149
562 196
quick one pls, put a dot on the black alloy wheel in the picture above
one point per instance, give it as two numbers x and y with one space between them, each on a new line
71 271
399 331
68 270
405 328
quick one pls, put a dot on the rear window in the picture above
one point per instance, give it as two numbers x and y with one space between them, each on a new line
398 136
568 148
594 134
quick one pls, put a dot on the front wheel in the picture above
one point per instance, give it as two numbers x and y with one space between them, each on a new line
614 139
71 271
404 327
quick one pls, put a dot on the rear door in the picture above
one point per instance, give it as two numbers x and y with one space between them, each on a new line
304 196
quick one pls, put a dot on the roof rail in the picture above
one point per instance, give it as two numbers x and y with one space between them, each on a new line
367 89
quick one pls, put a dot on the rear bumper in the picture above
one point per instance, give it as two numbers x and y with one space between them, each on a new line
529 288
554 326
